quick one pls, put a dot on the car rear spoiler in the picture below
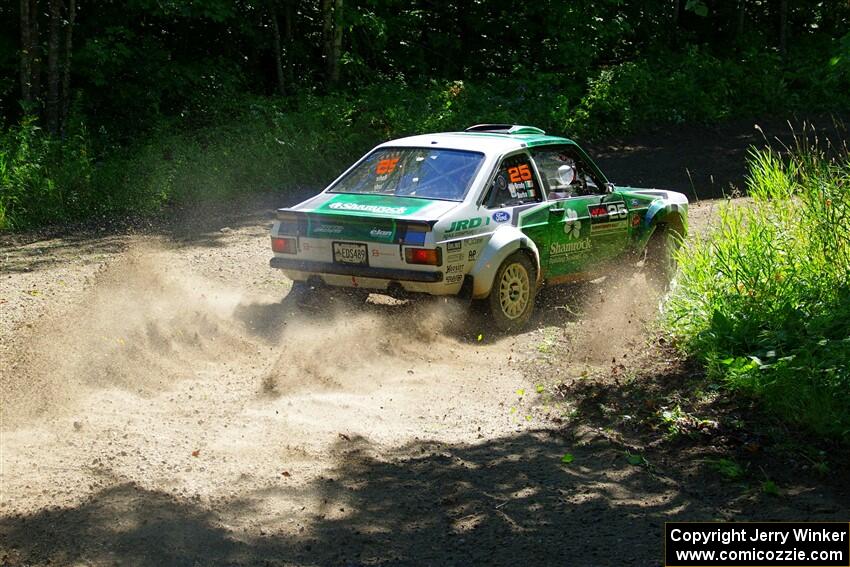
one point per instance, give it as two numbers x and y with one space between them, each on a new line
505 129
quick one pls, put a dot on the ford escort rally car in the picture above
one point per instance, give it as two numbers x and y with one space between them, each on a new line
490 213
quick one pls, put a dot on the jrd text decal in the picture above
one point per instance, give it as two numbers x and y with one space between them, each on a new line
467 224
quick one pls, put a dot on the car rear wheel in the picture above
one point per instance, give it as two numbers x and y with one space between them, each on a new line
322 298
511 300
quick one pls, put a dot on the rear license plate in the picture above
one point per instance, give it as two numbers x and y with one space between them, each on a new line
351 253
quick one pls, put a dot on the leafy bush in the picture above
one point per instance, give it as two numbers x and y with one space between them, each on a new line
765 297
251 145
693 86
226 145
42 179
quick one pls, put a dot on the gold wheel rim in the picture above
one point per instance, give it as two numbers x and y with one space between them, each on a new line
514 291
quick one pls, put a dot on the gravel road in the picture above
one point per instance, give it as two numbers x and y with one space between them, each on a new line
164 403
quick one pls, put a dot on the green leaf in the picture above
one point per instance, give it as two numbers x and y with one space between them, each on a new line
540 388
520 392
698 7
769 487
729 469
635 459
567 458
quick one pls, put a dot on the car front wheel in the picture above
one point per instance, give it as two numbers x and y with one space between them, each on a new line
660 263
511 298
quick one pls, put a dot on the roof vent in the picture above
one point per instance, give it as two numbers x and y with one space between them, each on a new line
505 129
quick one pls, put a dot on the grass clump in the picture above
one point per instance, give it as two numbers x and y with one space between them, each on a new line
42 178
764 298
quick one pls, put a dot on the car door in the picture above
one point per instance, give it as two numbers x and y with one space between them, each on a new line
586 225
515 196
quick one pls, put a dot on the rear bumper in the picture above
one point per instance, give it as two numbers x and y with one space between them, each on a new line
392 274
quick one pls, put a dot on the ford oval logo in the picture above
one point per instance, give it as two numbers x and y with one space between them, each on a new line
501 216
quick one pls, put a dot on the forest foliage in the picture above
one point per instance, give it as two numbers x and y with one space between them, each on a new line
110 108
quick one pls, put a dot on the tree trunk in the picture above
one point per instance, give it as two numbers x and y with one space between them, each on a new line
53 75
66 68
30 55
742 15
289 45
26 53
35 54
332 40
465 34
278 60
327 37
675 17
783 27
336 47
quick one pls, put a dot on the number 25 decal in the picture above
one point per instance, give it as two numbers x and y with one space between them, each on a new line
386 166
519 173
618 211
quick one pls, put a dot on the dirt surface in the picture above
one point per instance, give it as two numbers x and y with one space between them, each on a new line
164 403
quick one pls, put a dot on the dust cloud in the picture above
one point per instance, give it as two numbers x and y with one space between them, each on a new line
355 348
616 311
148 321
168 375
144 324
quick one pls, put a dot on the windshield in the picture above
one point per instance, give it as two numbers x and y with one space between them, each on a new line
427 173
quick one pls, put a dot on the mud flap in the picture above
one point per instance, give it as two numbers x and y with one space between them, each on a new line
466 287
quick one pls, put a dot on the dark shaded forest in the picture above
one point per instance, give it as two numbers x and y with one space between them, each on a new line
112 107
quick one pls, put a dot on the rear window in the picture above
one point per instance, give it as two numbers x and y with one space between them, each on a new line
426 173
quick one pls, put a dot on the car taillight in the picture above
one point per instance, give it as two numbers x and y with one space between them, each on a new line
284 245
429 256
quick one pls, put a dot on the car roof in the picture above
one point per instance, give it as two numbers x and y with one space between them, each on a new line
487 142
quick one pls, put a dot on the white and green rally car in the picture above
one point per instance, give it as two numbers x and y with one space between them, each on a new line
491 213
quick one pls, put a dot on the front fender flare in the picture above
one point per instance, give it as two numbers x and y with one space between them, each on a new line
671 212
504 242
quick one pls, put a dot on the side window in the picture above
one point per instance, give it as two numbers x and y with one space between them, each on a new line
566 174
515 184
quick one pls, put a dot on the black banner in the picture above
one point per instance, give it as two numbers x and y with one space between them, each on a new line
756 544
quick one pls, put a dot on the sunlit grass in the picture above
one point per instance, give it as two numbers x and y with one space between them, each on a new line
764 298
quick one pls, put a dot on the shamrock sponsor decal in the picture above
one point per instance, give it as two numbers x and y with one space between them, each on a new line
572 226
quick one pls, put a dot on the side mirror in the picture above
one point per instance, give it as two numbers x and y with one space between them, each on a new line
609 187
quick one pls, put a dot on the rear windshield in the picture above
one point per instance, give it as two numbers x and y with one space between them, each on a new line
427 173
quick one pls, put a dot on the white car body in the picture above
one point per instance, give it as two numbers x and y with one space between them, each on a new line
324 237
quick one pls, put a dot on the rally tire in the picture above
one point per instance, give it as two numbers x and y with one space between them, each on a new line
298 293
320 298
511 300
660 257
